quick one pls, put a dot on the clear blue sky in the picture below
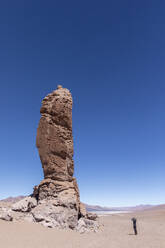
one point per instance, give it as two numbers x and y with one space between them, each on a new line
111 55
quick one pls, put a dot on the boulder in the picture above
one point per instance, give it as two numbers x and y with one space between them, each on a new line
5 214
92 216
25 205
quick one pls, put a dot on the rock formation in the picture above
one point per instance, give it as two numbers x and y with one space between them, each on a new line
58 193
55 202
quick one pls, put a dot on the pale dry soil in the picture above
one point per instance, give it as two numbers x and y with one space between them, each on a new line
116 232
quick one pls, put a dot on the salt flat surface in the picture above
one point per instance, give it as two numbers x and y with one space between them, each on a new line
103 213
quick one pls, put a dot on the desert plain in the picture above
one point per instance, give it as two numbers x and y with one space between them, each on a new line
115 232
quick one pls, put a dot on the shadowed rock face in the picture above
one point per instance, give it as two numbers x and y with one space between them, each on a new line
55 202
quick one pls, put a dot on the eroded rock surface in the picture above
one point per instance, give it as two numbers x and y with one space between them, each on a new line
54 136
55 202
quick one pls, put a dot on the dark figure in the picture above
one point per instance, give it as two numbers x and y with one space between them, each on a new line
134 225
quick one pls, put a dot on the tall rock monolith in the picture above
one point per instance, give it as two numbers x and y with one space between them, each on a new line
58 193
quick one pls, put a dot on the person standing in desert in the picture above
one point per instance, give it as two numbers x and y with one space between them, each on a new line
134 225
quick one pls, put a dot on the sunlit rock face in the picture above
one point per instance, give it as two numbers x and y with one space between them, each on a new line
54 135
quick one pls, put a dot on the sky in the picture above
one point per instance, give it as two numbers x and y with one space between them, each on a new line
111 56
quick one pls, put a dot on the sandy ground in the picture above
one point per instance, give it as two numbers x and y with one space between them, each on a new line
116 232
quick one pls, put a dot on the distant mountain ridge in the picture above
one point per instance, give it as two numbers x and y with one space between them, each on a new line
13 199
132 208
